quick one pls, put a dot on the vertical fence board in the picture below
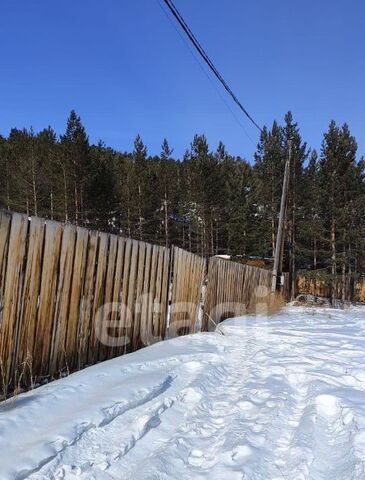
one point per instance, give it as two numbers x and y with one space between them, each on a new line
152 293
5 220
86 319
109 285
12 295
131 296
64 289
164 293
144 332
47 298
102 257
136 339
125 283
30 296
114 348
78 275
189 272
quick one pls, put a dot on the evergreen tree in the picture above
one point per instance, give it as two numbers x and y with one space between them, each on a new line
100 190
268 178
5 177
208 203
341 183
294 146
75 167
165 174
51 192
141 176
311 231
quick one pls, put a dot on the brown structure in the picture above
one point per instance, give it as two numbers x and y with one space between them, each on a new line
71 297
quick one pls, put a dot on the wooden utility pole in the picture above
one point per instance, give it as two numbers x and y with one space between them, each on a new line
280 236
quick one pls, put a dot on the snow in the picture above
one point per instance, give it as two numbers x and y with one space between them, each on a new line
272 398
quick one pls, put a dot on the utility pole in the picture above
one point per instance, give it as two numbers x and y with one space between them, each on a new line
280 236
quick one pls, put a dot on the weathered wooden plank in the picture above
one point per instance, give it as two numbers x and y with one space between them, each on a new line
104 349
117 298
47 299
12 296
5 220
77 282
124 314
30 296
156 314
165 292
207 308
58 361
177 292
188 277
152 295
131 297
144 331
136 340
86 319
96 317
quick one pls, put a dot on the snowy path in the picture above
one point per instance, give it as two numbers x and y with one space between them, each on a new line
283 399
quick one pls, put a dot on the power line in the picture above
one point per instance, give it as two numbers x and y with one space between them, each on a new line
199 62
206 58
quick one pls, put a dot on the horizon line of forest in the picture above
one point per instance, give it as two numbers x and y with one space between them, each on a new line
210 202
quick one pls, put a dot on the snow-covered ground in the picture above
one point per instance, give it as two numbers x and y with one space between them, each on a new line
276 399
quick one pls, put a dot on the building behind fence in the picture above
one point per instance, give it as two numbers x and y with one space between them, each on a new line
71 297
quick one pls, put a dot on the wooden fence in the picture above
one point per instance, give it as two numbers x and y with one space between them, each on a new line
321 288
71 297
188 276
58 281
234 289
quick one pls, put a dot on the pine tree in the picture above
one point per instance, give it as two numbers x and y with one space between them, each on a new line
340 185
140 170
294 146
100 190
76 162
203 175
165 176
5 177
235 203
268 178
125 191
311 230
47 149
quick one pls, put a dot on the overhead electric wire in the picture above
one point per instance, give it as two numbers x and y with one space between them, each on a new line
207 60
194 55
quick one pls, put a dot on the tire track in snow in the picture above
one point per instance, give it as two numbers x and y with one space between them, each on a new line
110 414
277 402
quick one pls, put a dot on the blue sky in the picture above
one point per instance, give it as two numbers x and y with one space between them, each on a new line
125 70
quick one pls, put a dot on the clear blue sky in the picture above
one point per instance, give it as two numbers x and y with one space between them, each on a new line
125 69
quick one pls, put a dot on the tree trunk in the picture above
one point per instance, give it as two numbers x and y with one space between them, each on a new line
76 203
65 196
52 206
333 258
166 222
7 185
34 188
